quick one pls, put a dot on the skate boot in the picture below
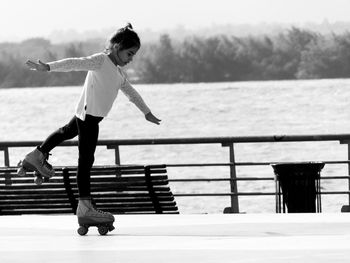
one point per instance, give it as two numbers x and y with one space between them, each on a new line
36 161
88 215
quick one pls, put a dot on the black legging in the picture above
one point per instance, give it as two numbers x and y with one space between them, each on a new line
88 135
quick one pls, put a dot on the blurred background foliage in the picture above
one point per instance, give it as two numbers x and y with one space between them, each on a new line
293 54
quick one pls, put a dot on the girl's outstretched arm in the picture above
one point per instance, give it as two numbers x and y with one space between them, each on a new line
93 62
136 98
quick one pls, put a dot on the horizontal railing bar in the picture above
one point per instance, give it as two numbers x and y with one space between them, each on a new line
244 179
253 193
199 180
271 163
200 140
221 179
335 177
248 163
199 164
224 194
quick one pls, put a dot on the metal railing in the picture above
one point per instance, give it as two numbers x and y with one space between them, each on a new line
229 143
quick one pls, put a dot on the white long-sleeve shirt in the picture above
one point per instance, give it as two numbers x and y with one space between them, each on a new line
102 83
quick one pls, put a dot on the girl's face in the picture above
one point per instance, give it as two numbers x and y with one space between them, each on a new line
124 56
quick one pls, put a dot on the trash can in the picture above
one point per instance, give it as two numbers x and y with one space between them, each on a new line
299 186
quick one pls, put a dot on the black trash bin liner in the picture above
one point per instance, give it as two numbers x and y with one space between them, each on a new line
300 185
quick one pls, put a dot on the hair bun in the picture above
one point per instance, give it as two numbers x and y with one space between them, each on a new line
128 26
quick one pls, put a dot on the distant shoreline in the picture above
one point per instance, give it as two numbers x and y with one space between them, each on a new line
189 83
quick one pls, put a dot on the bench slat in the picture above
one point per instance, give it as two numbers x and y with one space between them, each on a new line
105 206
94 183
100 196
8 203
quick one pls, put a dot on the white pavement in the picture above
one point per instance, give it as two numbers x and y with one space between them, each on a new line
304 238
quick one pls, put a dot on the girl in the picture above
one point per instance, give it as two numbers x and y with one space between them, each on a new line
103 81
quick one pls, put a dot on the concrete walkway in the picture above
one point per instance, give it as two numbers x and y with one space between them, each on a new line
180 238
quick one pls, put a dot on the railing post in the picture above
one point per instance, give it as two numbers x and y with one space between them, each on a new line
233 182
116 153
346 208
349 173
6 156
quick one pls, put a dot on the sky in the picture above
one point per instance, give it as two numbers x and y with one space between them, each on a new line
20 19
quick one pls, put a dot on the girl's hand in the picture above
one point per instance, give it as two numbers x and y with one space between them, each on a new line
150 117
40 66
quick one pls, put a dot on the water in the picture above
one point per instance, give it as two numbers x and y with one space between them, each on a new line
201 110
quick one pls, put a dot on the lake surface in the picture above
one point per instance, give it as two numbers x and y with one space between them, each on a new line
201 110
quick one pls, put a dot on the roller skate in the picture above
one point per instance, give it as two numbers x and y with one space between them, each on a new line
88 216
36 162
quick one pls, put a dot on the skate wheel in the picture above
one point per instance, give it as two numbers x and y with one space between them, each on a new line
21 171
82 230
103 230
38 180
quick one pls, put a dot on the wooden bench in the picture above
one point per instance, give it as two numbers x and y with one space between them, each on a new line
116 189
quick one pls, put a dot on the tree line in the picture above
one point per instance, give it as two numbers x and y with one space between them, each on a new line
293 54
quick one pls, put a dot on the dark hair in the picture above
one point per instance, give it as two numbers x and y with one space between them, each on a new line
125 37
